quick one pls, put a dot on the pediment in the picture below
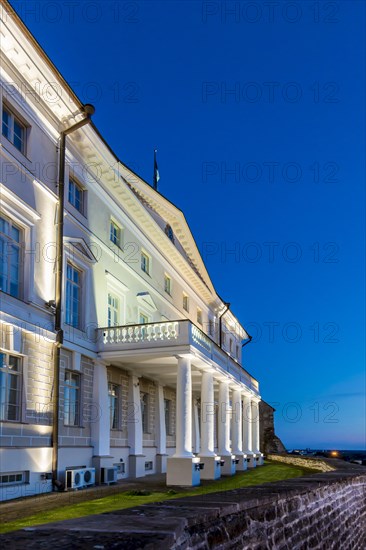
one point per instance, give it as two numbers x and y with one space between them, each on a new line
79 247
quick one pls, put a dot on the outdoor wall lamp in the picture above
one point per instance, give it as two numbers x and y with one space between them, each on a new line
51 304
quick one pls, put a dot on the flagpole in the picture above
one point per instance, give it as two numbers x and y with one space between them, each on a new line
156 172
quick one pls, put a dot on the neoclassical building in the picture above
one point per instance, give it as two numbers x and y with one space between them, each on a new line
118 358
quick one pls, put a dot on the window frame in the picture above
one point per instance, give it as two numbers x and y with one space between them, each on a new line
118 240
145 412
80 286
167 284
9 244
185 297
14 118
77 422
116 311
19 389
73 181
146 267
199 316
116 398
168 416
24 478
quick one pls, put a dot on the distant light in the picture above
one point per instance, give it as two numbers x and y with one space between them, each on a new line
334 453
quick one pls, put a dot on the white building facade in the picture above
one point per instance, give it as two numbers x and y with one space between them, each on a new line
143 373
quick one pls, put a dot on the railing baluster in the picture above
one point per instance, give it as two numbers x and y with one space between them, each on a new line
171 330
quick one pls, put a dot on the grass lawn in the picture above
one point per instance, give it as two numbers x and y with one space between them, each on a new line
271 471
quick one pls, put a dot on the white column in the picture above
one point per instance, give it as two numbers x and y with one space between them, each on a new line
247 425
237 430
195 428
207 416
160 422
184 409
224 420
134 420
100 427
255 430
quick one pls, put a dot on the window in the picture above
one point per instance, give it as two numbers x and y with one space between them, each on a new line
10 257
230 345
113 393
210 327
13 478
145 412
143 319
115 233
167 413
185 301
113 311
73 296
169 233
14 130
237 352
72 399
145 263
199 316
167 284
76 195
10 387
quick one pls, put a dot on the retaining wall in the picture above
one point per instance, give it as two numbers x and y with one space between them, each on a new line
321 511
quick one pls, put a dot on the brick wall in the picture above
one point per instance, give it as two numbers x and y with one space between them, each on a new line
77 435
35 427
323 512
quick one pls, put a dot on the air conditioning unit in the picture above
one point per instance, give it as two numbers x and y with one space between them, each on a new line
109 475
89 476
74 479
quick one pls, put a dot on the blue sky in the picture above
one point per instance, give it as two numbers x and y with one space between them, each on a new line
259 119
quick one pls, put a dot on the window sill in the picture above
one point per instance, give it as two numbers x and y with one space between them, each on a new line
73 426
75 211
115 245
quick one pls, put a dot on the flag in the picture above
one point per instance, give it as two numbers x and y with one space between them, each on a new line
156 172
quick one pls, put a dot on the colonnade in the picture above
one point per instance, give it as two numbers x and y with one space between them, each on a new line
226 431
238 439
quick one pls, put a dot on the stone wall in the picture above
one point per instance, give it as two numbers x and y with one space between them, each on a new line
269 442
323 511
313 463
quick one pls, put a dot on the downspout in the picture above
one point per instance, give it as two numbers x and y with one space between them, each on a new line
227 305
88 111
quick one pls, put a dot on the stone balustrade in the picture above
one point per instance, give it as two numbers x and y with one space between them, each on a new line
172 333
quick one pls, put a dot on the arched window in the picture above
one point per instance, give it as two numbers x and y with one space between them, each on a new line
169 232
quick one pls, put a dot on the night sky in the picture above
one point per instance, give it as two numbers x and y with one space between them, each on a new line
257 111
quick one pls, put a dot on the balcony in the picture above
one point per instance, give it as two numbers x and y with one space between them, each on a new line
169 338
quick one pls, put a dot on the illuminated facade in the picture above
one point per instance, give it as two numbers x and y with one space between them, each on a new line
150 368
